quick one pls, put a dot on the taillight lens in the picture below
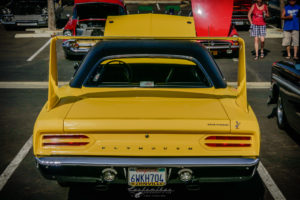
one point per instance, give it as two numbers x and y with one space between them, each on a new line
65 140
65 143
228 138
45 137
227 145
214 141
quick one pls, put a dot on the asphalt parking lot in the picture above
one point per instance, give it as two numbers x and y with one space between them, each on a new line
19 107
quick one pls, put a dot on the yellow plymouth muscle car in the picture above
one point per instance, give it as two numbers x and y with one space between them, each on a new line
147 112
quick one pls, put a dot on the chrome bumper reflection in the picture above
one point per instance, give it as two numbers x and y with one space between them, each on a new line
147 162
221 47
82 48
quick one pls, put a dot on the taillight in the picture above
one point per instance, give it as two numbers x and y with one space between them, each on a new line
227 145
65 140
223 141
65 143
228 138
64 137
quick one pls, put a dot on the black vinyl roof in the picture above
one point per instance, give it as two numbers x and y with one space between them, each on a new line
169 47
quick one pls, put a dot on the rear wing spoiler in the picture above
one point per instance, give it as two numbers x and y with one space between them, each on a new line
53 90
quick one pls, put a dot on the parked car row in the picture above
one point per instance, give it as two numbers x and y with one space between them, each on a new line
89 19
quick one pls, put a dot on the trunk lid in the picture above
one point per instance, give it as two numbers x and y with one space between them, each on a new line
147 114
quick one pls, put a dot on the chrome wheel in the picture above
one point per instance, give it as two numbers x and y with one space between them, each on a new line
281 120
279 111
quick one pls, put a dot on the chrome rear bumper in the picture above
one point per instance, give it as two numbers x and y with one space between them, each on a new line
88 169
147 162
82 49
220 47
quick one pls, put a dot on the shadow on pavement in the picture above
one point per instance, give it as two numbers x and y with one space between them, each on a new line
290 131
249 190
293 134
266 52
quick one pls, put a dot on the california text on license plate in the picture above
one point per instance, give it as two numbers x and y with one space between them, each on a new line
147 176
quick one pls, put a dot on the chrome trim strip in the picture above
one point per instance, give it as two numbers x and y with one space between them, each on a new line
81 50
286 83
147 162
221 47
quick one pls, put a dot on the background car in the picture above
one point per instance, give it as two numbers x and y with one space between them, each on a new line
213 19
89 18
285 92
25 13
240 12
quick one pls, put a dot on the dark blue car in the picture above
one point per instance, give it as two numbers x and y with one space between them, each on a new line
285 92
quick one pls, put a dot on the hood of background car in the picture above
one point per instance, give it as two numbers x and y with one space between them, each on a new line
212 17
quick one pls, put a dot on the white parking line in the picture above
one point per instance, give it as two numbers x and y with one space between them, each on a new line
39 51
253 85
44 85
13 165
27 85
269 183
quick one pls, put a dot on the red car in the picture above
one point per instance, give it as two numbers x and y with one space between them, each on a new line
213 19
89 17
240 12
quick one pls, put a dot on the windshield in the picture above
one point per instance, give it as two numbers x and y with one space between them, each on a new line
97 10
25 7
147 72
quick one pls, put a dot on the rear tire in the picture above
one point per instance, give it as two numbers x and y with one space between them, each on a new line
68 56
10 27
280 114
64 184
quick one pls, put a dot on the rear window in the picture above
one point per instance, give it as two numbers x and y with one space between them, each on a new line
147 72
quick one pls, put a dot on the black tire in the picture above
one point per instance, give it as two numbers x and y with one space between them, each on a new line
280 114
235 54
68 56
10 27
64 184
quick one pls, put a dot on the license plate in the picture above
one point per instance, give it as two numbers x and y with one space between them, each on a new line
26 24
214 53
239 23
147 176
229 51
